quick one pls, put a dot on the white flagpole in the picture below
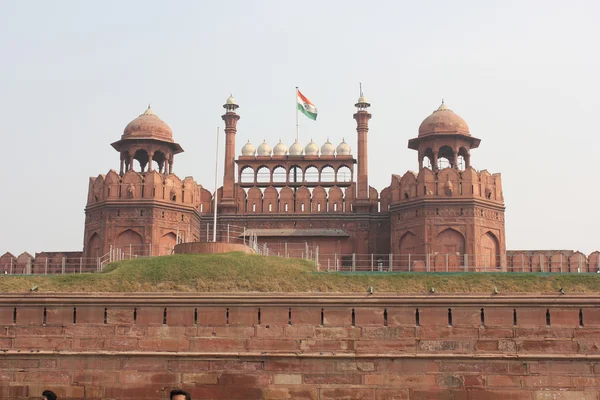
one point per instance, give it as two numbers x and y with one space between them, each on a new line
296 101
216 189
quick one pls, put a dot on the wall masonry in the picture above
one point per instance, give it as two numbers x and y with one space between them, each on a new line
218 346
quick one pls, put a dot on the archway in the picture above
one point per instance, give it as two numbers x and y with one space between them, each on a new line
295 174
166 244
450 241
93 247
159 162
427 160
409 247
247 175
141 156
130 243
279 174
445 157
344 174
490 251
263 175
327 174
311 174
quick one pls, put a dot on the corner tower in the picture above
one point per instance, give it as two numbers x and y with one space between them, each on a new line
145 209
448 216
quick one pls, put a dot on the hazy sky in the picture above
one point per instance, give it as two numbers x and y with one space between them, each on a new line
525 75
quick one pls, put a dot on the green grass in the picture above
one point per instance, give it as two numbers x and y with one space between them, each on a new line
239 272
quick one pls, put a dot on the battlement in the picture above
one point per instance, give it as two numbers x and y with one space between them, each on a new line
134 186
444 184
301 200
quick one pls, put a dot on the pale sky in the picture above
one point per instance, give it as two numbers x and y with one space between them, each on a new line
525 75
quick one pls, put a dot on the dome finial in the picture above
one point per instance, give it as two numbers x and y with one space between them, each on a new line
362 104
148 111
443 107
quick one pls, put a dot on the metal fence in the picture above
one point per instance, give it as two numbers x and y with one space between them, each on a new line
550 261
453 262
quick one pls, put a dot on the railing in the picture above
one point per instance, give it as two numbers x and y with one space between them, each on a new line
453 262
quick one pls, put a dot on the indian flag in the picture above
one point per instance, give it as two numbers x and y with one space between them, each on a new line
306 106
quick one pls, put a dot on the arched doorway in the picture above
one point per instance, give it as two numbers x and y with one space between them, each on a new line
93 247
449 241
130 243
490 251
166 244
449 250
409 247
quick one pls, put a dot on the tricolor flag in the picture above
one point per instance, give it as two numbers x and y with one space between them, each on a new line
306 107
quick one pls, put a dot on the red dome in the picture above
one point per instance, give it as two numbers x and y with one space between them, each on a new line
444 121
148 126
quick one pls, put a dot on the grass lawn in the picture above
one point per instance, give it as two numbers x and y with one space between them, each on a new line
239 272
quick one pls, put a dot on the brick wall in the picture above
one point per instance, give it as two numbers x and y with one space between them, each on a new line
301 347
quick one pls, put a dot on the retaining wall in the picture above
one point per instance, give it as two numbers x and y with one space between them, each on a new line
323 347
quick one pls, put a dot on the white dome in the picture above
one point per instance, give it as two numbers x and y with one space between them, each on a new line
311 149
327 149
280 149
343 149
264 149
231 101
296 149
248 149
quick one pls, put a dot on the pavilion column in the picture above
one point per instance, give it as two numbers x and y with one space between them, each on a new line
150 161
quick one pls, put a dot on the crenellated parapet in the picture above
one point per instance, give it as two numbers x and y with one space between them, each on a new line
296 200
448 183
134 186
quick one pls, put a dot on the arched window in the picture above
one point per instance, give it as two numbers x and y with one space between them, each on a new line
311 174
295 174
327 174
247 175
263 175
279 175
344 174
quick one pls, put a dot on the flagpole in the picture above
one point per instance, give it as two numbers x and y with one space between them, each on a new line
296 101
216 188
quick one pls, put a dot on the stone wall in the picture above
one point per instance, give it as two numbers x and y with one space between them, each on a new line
322 347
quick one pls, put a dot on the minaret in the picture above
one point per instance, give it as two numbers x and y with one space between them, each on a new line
362 118
231 118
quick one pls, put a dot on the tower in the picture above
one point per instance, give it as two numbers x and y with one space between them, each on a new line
228 202
145 209
448 215
362 117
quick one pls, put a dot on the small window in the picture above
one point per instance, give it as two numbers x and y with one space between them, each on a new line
286 207
334 207
270 207
319 207
254 207
141 213
302 207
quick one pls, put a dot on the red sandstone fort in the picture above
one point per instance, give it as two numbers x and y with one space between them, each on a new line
447 216
426 346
